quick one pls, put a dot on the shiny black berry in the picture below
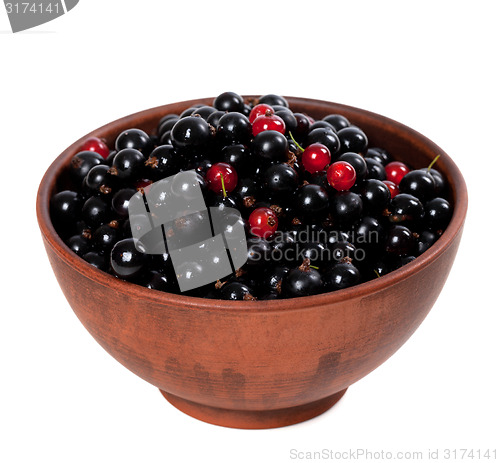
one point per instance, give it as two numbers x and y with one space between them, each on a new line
406 209
236 291
352 139
95 211
191 135
375 169
376 196
272 100
302 281
99 181
97 260
126 260
346 208
79 245
438 214
400 241
163 162
229 101
357 161
337 121
233 128
326 137
378 154
280 180
65 208
238 156
128 164
259 251
81 163
340 276
270 146
134 139
311 201
204 111
105 237
418 183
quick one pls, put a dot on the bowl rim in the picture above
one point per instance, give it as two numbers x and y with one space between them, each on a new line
162 298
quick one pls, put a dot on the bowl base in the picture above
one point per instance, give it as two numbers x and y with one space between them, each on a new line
253 419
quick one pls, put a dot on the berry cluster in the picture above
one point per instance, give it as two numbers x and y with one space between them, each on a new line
323 209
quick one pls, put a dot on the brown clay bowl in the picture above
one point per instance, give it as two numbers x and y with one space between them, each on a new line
258 364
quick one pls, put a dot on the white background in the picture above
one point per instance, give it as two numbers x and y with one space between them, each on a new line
430 65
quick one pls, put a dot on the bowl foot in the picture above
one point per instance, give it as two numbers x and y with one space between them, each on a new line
253 419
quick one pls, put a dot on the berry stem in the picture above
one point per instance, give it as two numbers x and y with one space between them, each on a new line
433 162
223 187
296 144
376 273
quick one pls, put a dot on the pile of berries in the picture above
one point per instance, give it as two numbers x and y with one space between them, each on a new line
323 209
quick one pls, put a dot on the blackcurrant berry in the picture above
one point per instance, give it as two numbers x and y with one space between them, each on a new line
97 260
326 137
134 139
376 196
337 121
311 201
79 245
81 163
400 241
346 208
352 139
234 128
375 169
271 146
302 281
162 162
99 181
128 164
406 208
272 99
204 111
357 162
191 135
236 291
229 101
95 211
105 237
259 251
438 214
340 276
418 183
126 260
280 180
65 208
238 156
377 154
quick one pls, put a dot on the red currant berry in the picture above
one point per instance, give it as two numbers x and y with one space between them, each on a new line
392 188
395 171
316 157
222 178
341 175
268 121
143 185
263 222
259 110
97 145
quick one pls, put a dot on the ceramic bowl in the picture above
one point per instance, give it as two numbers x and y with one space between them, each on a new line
258 364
